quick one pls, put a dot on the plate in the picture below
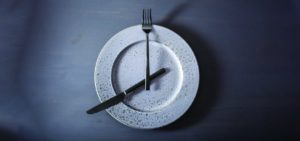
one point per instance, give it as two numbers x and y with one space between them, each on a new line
121 63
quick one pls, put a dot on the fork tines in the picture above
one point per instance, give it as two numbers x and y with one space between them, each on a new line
147 19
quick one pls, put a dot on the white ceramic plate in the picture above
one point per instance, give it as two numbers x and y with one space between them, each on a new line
121 63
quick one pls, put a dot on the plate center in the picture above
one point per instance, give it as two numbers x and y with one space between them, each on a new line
130 66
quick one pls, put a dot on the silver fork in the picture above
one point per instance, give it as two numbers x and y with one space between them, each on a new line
147 28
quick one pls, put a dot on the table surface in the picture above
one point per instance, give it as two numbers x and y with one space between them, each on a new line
247 52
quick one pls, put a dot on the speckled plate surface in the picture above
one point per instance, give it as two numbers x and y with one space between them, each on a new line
121 63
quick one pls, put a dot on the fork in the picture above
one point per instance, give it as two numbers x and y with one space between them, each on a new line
147 28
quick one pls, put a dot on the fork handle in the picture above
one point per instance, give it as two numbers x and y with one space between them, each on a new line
147 79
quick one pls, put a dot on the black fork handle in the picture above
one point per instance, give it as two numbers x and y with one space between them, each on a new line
147 79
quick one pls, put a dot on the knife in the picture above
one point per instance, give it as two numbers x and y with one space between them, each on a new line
120 97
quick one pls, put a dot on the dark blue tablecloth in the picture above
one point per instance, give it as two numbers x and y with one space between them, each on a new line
248 52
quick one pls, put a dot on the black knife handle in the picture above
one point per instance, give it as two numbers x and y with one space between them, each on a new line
142 82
